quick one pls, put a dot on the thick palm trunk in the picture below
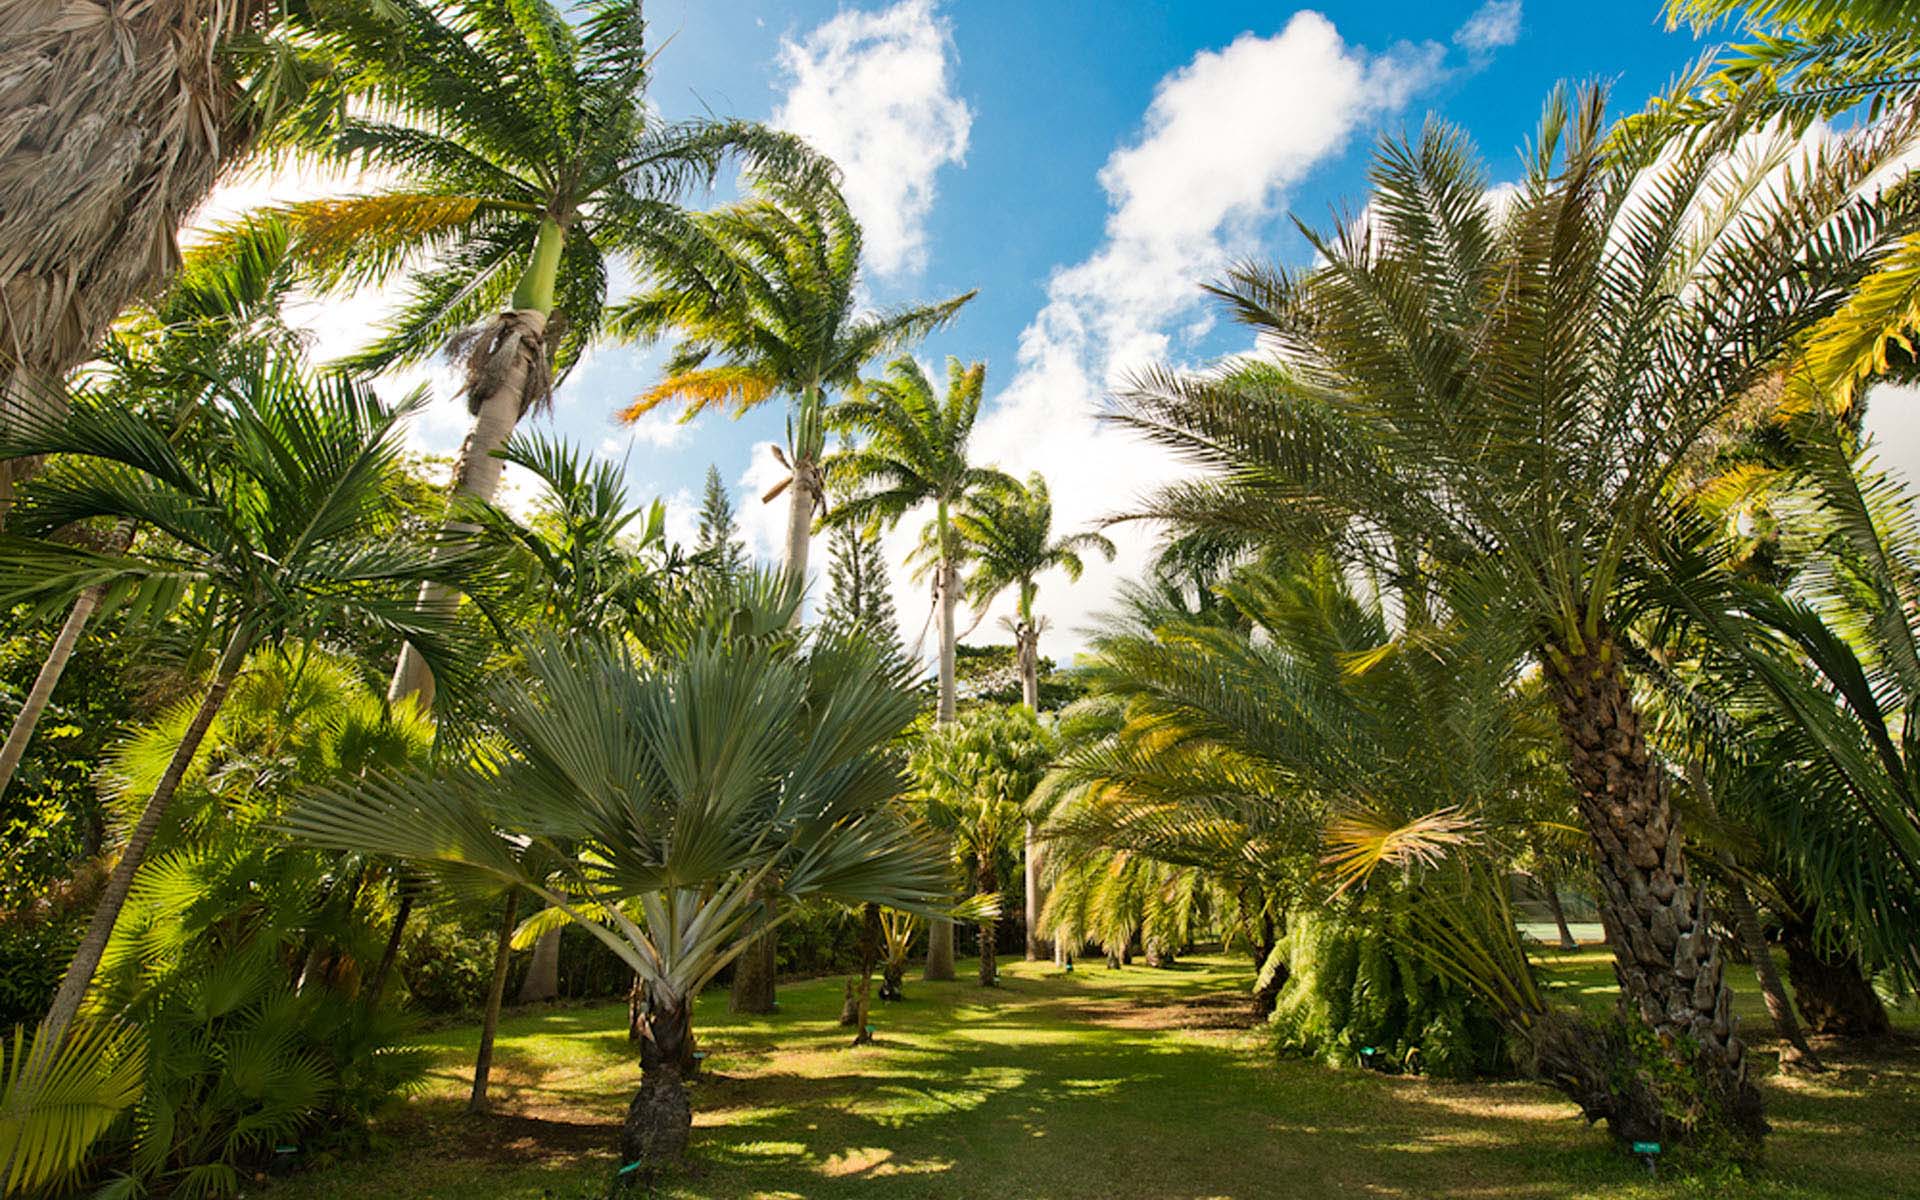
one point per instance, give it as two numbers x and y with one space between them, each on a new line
496 992
1833 993
119 120
753 975
543 970
507 374
661 1117
1665 955
86 958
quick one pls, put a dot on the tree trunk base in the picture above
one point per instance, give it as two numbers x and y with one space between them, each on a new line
659 1121
1833 995
891 978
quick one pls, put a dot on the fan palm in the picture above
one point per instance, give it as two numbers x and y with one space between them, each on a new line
525 160
57 1098
668 796
278 515
1499 389
1007 534
170 352
763 296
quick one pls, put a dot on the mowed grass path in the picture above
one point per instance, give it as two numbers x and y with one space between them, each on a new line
1132 1083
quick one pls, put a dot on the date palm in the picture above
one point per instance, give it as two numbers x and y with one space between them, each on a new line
525 162
670 797
1007 534
1500 390
279 516
763 297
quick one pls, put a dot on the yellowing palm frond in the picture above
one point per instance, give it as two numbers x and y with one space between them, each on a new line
1360 843
742 386
1849 349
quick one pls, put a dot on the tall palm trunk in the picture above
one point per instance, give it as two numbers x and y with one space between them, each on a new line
86 958
496 992
1665 955
543 970
391 953
119 120
661 1117
506 375
1746 924
1027 651
1833 993
946 592
41 694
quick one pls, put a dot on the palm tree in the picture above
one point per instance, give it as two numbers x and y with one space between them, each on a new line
975 777
279 514
763 296
1498 391
172 350
669 796
121 123
525 162
915 453
1007 533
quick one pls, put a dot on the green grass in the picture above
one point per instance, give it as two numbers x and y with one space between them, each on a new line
1136 1083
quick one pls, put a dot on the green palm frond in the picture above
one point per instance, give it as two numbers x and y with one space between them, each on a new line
55 1102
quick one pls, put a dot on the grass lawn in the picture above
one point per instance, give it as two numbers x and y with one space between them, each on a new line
1135 1083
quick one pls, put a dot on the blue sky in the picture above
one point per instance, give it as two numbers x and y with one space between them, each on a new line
1084 165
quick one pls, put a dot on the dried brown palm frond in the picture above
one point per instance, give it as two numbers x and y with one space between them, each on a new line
116 117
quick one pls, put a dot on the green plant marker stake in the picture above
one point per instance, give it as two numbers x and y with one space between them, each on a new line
1649 1153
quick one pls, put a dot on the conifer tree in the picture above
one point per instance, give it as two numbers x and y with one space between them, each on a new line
720 543
859 595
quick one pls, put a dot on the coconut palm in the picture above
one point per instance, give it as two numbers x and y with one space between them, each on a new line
1007 534
1499 390
169 354
763 297
278 515
525 162
669 796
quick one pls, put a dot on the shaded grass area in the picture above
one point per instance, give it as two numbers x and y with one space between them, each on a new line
1133 1083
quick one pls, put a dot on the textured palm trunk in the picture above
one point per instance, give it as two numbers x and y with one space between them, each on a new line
93 944
753 975
1833 993
119 121
660 1118
496 993
1666 958
869 955
988 884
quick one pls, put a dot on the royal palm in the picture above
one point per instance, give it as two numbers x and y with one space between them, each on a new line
525 165
763 296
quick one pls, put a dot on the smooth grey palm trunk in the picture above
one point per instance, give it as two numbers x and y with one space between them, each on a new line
476 473
93 944
946 586
496 992
1028 651
41 694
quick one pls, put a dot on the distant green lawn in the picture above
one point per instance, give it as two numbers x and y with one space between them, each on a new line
1135 1083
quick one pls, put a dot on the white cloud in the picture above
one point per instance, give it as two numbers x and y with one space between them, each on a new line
1493 25
683 518
763 525
873 91
660 429
1221 143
